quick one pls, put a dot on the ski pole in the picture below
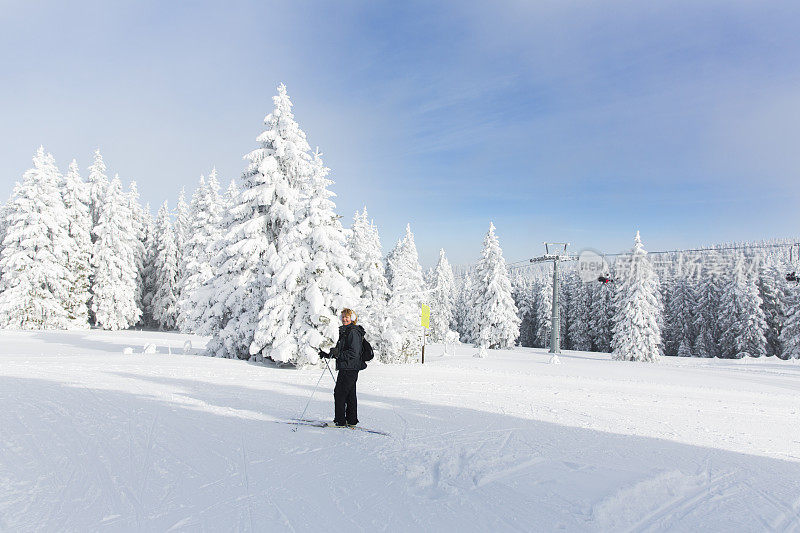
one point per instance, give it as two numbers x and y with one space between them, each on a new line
312 393
329 370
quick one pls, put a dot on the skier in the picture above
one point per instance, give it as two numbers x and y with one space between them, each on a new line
348 362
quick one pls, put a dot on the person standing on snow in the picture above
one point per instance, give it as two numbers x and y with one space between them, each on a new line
348 362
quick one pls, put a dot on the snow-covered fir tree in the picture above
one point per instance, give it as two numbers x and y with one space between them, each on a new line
578 313
114 260
364 246
205 216
325 285
522 291
441 299
137 238
98 184
462 310
741 317
709 291
165 299
543 311
75 194
34 277
405 303
680 317
211 311
790 333
182 230
773 291
601 316
149 270
494 314
637 320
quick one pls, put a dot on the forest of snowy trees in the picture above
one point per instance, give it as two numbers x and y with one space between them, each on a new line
264 267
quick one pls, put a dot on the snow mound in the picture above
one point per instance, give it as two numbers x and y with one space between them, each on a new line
128 351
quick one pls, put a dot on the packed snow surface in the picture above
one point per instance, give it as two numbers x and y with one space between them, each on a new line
92 438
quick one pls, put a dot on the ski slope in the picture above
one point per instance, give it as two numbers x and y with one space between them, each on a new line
94 439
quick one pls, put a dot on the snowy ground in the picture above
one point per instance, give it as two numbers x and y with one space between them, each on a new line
94 439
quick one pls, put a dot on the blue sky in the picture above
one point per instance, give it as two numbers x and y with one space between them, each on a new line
558 120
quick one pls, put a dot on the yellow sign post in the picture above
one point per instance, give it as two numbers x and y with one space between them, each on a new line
426 323
426 316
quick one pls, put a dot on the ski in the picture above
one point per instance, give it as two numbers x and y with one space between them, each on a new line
323 424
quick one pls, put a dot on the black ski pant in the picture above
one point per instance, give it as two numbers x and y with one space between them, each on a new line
344 398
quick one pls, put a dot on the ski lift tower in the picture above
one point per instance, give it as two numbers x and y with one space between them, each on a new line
555 252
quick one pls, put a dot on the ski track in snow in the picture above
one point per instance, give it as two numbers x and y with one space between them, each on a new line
93 439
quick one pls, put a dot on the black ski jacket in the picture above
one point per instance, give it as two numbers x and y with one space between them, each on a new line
348 348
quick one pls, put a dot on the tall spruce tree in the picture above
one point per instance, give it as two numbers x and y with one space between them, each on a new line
680 317
114 260
313 271
708 301
790 333
773 291
601 316
35 280
75 194
205 215
495 315
405 302
165 299
441 299
211 311
149 270
364 246
579 313
741 316
137 239
637 329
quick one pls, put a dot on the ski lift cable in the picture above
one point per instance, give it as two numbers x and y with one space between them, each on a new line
790 245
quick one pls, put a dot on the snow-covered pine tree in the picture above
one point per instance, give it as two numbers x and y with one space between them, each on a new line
114 263
405 301
774 297
34 278
324 286
137 239
75 194
790 333
522 291
601 316
495 315
182 230
364 246
684 349
637 331
98 184
680 316
708 300
441 299
462 310
578 313
211 311
543 311
206 213
741 316
268 248
149 270
165 300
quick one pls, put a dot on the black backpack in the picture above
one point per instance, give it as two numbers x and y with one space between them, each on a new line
366 350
